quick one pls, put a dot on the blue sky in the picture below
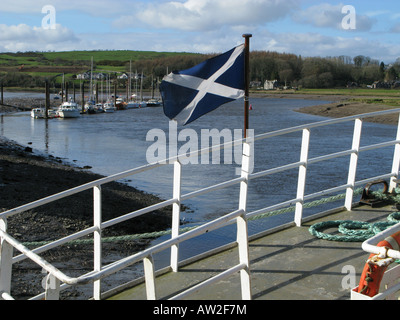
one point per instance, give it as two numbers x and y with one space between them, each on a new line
302 27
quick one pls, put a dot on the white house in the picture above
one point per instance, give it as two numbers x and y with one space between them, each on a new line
271 84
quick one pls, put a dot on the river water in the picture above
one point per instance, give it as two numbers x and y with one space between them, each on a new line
112 143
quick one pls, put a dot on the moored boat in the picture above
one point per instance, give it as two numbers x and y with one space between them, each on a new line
99 108
90 107
39 113
68 109
120 104
154 103
109 107
136 104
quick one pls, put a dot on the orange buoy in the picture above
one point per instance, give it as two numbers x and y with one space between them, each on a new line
375 267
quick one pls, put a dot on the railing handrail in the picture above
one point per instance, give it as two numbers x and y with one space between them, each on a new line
370 245
176 200
116 266
324 123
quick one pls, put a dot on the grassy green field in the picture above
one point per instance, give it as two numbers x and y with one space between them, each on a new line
119 55
354 92
71 63
389 97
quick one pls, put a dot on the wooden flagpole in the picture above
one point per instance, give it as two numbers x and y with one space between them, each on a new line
247 80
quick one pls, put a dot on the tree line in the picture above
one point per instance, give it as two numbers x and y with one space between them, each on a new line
292 70
317 72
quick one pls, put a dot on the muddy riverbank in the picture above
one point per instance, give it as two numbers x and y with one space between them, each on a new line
26 177
340 106
346 108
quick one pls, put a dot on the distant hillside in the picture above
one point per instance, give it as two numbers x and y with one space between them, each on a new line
30 69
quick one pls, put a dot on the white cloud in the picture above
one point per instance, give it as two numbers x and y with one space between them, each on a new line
24 38
98 7
315 44
206 15
330 16
290 26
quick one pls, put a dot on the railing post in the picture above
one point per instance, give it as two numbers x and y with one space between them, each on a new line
149 273
301 184
176 214
353 164
396 161
97 248
242 231
6 254
52 288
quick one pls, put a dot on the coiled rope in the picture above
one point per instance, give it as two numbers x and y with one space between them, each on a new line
357 231
351 231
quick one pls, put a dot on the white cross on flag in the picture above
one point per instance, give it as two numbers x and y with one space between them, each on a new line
191 93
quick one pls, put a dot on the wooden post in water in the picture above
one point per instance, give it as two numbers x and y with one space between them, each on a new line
2 94
47 101
247 80
97 93
73 87
115 94
83 96
152 86
62 90
66 91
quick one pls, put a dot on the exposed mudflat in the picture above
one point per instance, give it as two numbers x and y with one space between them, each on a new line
26 177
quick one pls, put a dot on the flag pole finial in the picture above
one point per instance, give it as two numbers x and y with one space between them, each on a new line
247 37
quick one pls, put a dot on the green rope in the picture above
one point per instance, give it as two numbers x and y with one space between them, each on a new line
358 231
149 235
351 230
355 228
394 217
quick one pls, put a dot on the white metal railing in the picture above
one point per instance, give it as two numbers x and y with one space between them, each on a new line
239 216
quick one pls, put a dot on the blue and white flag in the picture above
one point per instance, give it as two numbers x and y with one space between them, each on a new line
191 93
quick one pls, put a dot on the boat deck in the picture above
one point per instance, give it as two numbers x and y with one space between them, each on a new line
290 264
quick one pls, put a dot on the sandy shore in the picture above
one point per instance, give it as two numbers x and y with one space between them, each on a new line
341 106
343 109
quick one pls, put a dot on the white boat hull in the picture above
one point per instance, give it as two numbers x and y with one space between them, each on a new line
109 107
68 113
154 103
109 110
39 113
68 110
136 104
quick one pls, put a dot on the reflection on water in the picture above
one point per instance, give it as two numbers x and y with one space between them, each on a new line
111 143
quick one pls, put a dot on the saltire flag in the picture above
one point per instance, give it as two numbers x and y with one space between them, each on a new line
190 94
